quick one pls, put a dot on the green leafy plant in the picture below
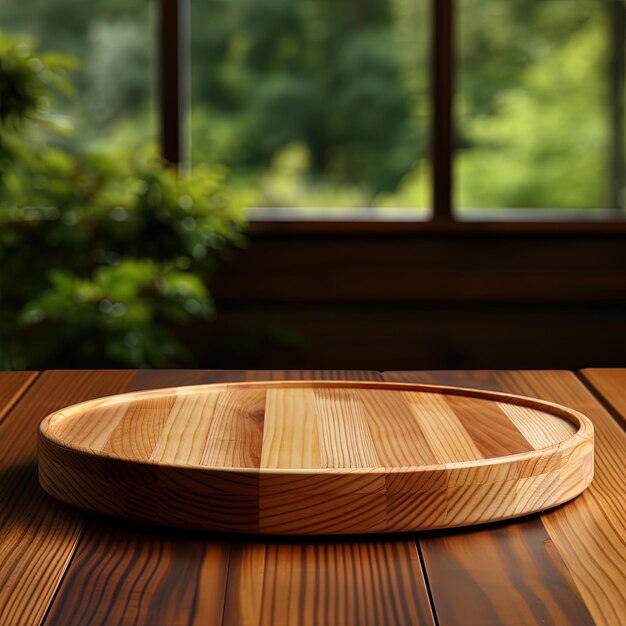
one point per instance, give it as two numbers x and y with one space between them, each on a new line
102 253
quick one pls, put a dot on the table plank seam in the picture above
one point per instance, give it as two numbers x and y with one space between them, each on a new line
422 564
66 569
20 394
226 577
431 599
606 404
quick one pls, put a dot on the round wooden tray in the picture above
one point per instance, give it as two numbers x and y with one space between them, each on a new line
315 457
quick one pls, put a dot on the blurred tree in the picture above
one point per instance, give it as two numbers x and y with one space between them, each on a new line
531 107
115 45
101 252
325 75
542 140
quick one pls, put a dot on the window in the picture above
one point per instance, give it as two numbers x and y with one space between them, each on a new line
368 109
531 127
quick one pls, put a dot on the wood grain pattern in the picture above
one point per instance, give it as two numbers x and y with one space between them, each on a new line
345 440
12 387
236 433
591 535
142 577
610 385
37 535
329 584
289 442
193 457
502 575
491 429
126 574
570 567
541 431
190 428
446 437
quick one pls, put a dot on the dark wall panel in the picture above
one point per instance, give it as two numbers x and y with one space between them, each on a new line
469 298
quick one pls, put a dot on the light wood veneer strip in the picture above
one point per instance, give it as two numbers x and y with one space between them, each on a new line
539 428
291 436
395 444
188 424
234 441
447 438
345 440
139 428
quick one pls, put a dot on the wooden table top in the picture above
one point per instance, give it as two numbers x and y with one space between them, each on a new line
59 566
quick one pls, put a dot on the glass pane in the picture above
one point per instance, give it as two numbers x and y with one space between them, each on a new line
315 103
114 43
533 108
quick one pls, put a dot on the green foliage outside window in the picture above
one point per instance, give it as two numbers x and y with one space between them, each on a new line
325 104
340 88
102 251
343 86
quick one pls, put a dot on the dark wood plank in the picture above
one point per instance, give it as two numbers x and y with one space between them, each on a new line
37 535
397 335
340 583
12 386
160 577
466 266
158 379
609 384
127 574
511 573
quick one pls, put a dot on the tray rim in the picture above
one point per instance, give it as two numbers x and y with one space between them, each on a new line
585 431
